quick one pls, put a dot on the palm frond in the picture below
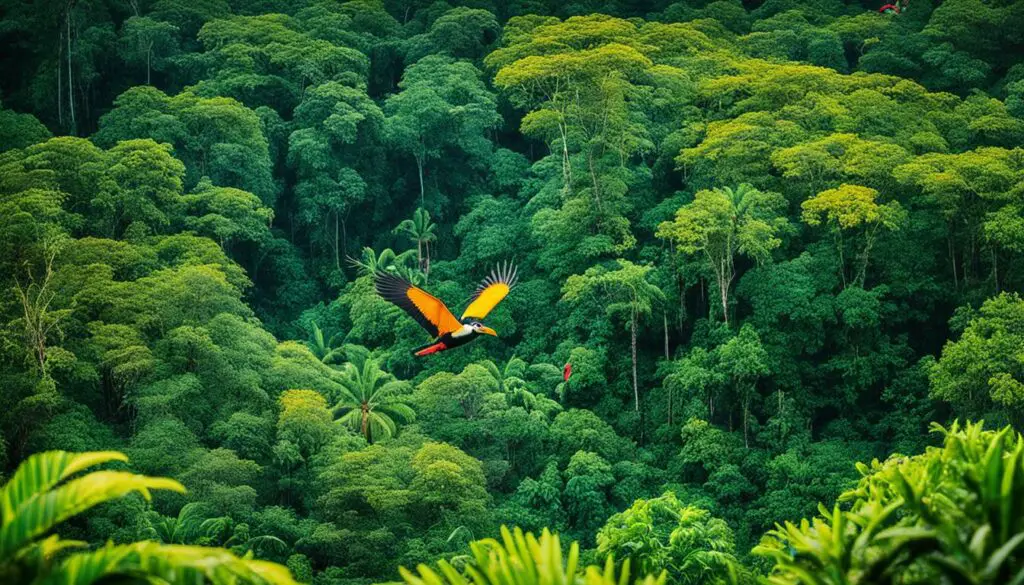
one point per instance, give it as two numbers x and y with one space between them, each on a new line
381 426
267 543
168 563
399 410
352 419
44 492
42 471
42 511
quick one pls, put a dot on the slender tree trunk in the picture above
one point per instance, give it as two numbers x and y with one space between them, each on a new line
149 54
664 317
60 78
869 242
725 303
71 92
723 290
566 164
364 425
419 170
952 258
337 246
636 389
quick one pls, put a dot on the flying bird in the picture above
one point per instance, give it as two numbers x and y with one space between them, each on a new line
436 318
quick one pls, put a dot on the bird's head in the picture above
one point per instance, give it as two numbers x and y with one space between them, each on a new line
481 329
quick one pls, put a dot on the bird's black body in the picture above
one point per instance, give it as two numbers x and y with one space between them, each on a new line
446 341
432 314
449 340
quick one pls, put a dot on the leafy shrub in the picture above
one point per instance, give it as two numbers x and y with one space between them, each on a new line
954 514
522 559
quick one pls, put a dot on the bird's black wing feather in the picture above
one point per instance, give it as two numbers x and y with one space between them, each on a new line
426 309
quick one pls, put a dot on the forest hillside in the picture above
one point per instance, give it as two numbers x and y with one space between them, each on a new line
758 249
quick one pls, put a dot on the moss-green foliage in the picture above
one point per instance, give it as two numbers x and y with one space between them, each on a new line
770 240
661 534
950 514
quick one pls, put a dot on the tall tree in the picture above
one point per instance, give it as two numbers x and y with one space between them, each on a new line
981 373
725 223
423 232
623 290
853 209
442 104
149 42
741 361
335 151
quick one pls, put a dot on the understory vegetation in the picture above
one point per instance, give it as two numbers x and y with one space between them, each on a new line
779 244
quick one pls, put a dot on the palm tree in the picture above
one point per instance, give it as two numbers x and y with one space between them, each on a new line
326 351
178 530
370 262
47 489
370 401
423 231
191 527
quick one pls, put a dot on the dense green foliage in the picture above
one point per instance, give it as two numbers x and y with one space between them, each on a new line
44 491
951 515
772 239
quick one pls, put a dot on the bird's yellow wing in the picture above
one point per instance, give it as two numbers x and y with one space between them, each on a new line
491 291
428 311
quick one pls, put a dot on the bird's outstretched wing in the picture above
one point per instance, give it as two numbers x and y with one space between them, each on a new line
428 311
491 291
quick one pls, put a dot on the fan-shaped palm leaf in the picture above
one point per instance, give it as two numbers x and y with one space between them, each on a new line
370 398
267 544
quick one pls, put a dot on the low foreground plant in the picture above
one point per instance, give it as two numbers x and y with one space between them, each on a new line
47 489
523 559
954 515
